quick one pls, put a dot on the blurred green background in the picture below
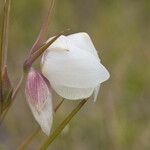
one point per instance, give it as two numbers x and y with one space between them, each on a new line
120 29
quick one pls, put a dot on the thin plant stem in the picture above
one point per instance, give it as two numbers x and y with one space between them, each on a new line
6 29
29 139
4 44
58 106
4 40
16 90
62 126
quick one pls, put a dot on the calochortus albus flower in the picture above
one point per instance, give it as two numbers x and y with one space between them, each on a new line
73 67
39 97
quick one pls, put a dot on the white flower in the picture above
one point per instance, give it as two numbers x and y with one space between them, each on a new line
73 67
39 97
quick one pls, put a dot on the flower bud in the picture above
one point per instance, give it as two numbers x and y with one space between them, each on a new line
76 73
39 97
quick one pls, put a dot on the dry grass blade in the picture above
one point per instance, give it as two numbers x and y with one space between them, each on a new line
44 29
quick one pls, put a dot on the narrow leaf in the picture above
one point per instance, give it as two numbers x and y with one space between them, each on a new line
44 29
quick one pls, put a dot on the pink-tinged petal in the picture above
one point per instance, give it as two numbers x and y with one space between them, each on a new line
44 117
39 97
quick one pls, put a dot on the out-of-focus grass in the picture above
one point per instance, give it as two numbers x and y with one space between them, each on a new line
119 120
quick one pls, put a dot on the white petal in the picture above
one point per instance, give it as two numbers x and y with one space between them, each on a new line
44 117
84 42
78 69
61 42
74 68
73 93
96 91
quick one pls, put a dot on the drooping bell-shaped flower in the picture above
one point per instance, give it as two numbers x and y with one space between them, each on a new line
39 97
73 67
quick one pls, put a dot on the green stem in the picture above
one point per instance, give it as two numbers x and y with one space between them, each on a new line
62 125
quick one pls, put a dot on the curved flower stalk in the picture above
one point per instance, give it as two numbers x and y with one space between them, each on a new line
39 97
73 67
